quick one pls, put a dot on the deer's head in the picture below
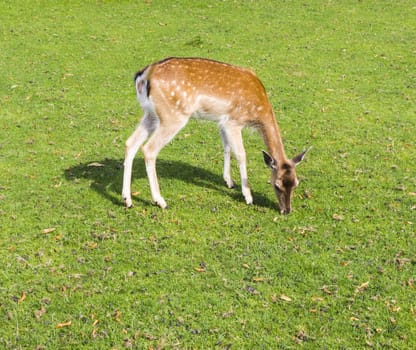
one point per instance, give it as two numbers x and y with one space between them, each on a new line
283 179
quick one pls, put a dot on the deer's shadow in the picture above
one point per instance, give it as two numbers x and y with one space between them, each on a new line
106 178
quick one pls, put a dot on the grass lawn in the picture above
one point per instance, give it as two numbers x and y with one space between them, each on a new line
79 271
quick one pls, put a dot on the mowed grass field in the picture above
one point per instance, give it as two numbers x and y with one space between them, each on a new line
79 271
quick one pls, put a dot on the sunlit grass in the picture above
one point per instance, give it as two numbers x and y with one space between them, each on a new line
78 270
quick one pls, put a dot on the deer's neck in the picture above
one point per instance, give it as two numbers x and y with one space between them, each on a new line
272 139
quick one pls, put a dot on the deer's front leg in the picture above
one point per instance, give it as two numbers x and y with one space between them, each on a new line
227 160
235 140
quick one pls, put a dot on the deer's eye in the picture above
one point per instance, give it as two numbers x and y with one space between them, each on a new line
278 187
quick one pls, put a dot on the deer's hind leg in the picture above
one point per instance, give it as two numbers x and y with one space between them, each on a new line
143 131
163 134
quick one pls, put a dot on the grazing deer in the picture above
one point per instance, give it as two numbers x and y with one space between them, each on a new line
175 89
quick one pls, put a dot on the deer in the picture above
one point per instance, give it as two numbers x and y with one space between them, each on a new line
173 90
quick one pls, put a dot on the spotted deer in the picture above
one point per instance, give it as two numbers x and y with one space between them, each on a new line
175 89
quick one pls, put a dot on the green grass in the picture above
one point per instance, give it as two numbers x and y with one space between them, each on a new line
79 271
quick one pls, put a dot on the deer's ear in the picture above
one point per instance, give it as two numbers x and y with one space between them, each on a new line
300 157
269 161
